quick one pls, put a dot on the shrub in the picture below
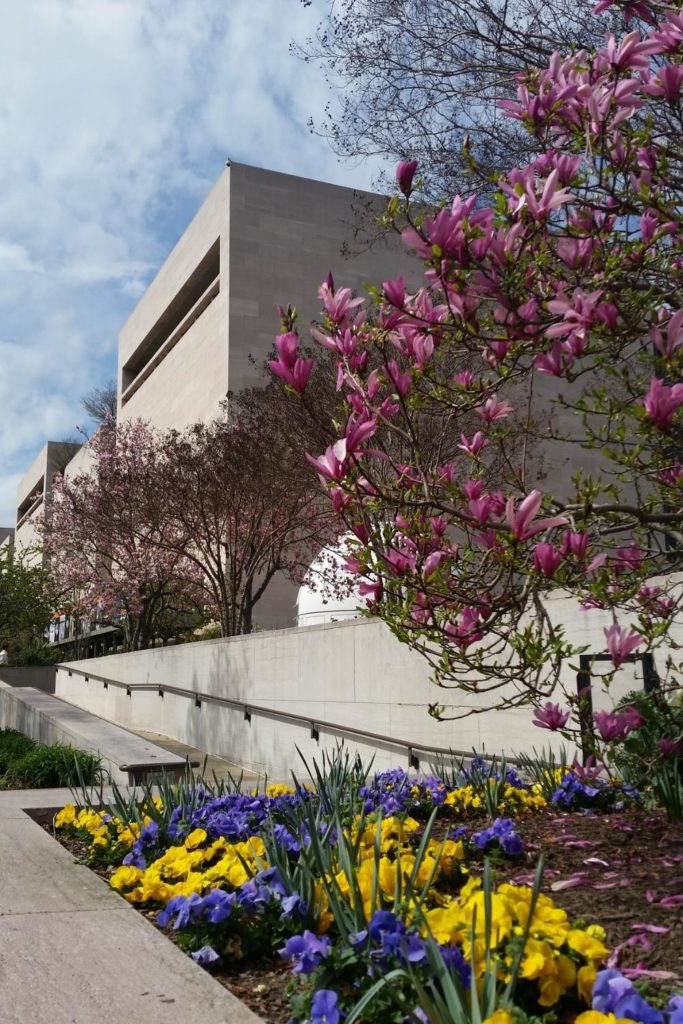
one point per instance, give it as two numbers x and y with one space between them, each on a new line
57 765
13 745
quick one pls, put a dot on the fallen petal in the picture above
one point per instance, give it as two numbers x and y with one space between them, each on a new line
641 972
672 901
567 883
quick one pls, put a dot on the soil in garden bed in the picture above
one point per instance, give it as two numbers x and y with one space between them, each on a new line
622 871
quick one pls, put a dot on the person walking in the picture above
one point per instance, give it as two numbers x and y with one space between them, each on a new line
4 656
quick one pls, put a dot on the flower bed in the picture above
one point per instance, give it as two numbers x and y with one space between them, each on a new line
387 899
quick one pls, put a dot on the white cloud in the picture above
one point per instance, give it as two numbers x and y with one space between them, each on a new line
116 117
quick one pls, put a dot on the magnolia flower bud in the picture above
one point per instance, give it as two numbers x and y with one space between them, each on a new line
405 172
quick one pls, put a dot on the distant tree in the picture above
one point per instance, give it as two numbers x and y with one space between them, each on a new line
26 601
241 506
416 77
100 403
107 536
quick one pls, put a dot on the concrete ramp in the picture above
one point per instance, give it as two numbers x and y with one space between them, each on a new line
47 719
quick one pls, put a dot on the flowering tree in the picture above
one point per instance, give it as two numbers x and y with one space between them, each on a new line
106 537
240 506
561 300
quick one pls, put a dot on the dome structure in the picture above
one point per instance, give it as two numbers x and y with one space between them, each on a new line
315 603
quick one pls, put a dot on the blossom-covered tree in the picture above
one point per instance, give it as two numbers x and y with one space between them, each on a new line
560 305
240 505
107 536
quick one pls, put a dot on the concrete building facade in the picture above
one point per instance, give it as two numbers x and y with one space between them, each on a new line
32 493
260 239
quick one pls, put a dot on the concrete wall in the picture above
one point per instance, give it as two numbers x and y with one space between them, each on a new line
201 380
286 234
37 479
353 673
191 381
39 677
82 462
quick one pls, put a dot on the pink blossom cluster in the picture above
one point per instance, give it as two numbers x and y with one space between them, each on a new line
571 276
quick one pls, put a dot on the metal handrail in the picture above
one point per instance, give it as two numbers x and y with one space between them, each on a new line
316 725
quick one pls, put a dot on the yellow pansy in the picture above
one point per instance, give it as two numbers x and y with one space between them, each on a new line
124 877
595 1017
538 959
585 979
589 947
500 1017
152 888
445 923
195 839
66 816
553 988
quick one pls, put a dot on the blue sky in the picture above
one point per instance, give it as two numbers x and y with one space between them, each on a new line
116 117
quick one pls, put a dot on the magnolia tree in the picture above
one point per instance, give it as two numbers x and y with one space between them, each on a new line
241 506
560 306
108 537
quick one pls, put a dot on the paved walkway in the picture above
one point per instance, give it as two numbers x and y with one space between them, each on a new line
73 952
215 766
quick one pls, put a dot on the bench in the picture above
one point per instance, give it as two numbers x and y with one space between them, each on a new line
154 770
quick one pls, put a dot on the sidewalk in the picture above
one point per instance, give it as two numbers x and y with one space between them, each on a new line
73 952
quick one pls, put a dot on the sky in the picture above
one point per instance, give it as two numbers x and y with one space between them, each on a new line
116 117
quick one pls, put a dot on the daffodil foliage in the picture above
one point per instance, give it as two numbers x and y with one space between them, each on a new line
539 347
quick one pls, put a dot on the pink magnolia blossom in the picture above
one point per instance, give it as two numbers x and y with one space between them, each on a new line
289 367
521 522
631 52
547 559
662 401
395 292
332 464
401 381
553 362
405 172
475 445
575 544
358 431
373 591
669 748
668 83
338 303
628 558
616 725
668 345
493 409
621 643
551 717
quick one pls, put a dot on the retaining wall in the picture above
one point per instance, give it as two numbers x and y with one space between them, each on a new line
40 677
354 673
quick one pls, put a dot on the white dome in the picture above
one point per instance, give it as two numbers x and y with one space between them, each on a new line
315 603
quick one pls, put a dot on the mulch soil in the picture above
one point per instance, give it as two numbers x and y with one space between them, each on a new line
623 871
